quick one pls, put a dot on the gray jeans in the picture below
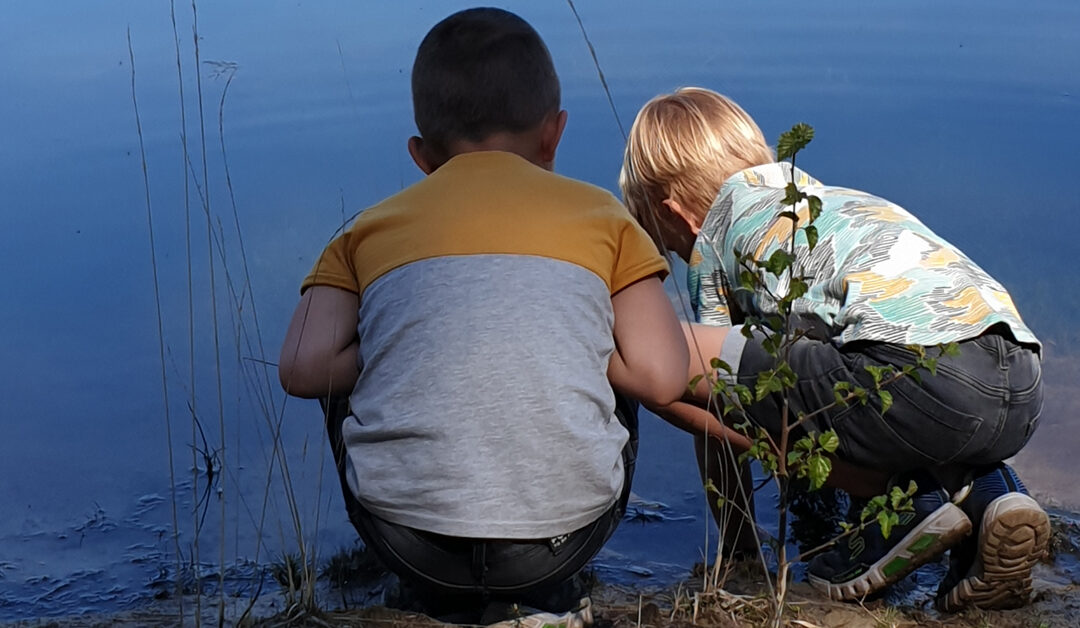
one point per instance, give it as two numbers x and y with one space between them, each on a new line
981 407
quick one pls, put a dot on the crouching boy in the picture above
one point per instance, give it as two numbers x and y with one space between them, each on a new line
479 321
700 176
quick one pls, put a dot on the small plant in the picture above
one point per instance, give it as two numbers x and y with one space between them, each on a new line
806 460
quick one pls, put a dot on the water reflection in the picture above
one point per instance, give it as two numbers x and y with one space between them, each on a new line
962 113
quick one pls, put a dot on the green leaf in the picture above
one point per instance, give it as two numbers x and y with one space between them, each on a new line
873 506
771 344
951 350
790 215
886 400
900 500
876 372
792 196
811 236
769 462
719 365
814 204
829 441
694 381
794 456
931 365
794 140
719 387
767 382
804 444
820 468
886 520
744 394
786 375
748 280
797 289
778 262
839 388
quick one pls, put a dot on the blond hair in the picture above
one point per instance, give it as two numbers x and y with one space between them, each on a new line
684 146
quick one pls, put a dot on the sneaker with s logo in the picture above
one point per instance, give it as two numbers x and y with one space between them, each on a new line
867 561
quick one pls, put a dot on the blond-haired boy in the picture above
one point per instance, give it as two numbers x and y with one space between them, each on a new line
699 175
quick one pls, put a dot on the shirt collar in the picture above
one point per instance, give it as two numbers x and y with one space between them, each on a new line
774 175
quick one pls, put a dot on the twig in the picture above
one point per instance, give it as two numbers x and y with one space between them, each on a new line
596 62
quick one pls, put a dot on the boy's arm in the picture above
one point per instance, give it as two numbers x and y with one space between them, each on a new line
692 418
320 353
693 412
650 358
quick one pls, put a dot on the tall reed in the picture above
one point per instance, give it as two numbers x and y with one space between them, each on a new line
159 319
726 456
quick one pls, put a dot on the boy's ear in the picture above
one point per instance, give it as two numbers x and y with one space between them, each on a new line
421 156
550 134
683 214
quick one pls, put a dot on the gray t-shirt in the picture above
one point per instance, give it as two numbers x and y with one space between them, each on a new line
483 407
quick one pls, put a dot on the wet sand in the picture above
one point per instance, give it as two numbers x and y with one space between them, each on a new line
1055 603
1048 464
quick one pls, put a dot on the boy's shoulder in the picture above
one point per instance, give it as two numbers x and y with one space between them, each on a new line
492 181
501 173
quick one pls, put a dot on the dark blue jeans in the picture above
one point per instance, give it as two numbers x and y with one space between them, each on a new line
980 408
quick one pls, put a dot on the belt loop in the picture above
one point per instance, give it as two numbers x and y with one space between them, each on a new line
479 566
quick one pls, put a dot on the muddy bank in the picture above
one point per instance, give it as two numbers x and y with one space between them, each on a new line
741 602
1047 463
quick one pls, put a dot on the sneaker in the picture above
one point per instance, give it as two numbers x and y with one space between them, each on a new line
582 617
867 562
992 570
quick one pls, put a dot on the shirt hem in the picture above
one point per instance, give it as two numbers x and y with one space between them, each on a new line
488 529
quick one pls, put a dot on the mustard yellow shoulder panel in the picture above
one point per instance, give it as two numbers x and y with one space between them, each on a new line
492 203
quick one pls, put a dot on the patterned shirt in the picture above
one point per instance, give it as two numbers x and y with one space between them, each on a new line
877 273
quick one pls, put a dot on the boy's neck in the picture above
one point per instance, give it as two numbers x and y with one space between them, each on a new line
536 145
524 145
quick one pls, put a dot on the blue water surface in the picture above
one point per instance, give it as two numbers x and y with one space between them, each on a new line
967 113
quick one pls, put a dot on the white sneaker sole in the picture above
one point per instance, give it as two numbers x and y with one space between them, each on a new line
581 618
937 533
1013 538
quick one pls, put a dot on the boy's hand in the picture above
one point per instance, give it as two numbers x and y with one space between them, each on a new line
321 349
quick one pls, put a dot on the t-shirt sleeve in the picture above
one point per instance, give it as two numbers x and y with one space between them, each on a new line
636 256
334 267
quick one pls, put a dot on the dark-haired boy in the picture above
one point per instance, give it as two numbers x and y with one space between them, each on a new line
479 320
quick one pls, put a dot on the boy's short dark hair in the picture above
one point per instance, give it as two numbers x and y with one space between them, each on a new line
481 71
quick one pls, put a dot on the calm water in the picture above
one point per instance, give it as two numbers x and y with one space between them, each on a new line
968 114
